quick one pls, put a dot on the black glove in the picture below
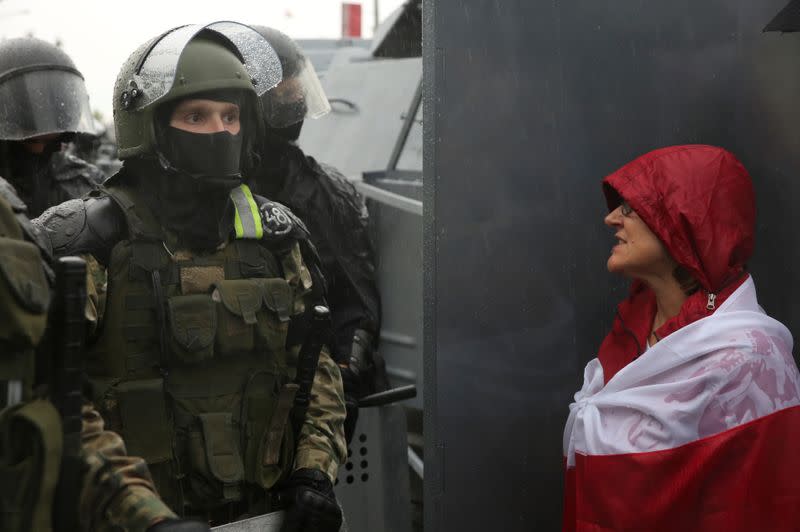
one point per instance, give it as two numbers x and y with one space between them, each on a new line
351 384
179 525
312 506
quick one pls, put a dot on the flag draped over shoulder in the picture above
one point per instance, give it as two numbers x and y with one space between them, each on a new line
700 432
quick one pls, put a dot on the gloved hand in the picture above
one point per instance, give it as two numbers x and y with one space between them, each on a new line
312 506
179 525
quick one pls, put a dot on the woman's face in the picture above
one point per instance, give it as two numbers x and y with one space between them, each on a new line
638 252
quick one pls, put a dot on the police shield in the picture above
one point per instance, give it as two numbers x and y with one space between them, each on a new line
271 522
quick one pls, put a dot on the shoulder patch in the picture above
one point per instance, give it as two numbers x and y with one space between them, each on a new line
279 221
63 223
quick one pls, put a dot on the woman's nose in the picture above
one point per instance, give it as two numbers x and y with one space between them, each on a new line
614 218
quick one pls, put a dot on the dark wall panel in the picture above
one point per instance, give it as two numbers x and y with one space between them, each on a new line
528 104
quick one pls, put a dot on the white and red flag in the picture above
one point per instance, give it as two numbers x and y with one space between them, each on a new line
701 432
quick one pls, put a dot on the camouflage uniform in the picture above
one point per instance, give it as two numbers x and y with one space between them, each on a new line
203 294
321 443
116 491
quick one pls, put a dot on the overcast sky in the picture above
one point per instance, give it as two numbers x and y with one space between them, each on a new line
100 34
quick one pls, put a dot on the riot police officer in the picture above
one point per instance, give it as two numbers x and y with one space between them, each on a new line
335 215
210 292
45 104
110 490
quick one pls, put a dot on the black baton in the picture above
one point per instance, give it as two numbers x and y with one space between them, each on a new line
307 361
70 334
69 327
389 396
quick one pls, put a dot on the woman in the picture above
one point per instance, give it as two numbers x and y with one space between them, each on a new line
685 418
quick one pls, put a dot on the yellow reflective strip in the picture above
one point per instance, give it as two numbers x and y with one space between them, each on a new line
253 211
237 223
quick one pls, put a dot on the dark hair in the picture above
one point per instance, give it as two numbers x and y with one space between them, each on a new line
689 284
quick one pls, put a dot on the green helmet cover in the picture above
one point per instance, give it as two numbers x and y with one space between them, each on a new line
207 62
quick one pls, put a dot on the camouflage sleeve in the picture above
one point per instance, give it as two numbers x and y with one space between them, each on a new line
322 445
117 491
96 278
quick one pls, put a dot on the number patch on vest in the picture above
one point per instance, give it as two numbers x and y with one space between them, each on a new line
277 219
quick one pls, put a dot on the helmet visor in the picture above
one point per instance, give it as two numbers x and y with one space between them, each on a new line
43 102
156 75
260 58
296 98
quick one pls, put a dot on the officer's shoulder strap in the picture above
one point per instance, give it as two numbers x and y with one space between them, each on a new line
140 221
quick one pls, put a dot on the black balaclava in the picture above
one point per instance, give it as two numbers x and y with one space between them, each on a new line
290 133
211 157
192 209
279 159
204 156
30 173
193 176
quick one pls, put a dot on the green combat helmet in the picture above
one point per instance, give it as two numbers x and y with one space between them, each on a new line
181 62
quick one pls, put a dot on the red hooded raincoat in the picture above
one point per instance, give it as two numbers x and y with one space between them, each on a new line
701 431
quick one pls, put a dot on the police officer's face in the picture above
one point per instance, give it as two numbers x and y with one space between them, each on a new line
206 116
638 252
37 145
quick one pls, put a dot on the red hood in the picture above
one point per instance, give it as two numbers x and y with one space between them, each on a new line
699 201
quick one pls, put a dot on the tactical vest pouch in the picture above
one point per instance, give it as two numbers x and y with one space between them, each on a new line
24 287
273 323
253 313
239 301
145 425
269 446
30 456
276 452
193 323
216 463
